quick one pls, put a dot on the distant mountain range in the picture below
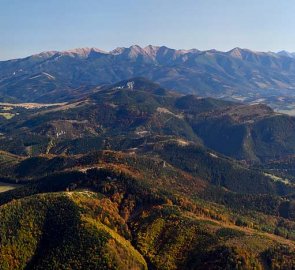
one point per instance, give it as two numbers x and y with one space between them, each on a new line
286 53
239 74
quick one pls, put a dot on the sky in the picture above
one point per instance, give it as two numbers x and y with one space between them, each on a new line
31 26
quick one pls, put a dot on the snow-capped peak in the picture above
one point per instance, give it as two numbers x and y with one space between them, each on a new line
82 52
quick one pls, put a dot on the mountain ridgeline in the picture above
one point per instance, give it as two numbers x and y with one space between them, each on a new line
238 74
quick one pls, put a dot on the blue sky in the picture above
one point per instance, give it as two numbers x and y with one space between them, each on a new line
31 26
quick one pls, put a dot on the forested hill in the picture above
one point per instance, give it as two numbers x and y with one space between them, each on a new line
133 112
136 176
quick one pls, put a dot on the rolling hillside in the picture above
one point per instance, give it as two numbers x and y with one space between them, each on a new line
111 212
136 176
135 112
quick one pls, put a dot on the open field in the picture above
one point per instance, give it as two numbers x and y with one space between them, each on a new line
290 112
5 186
7 115
31 105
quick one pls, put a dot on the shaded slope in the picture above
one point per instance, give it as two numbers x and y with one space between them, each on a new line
55 232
